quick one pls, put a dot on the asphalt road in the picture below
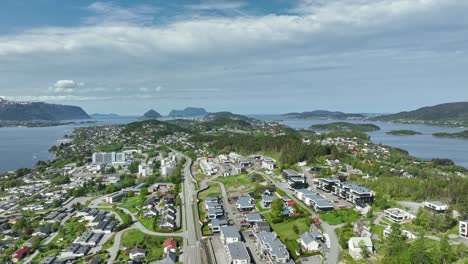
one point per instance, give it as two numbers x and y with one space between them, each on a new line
192 247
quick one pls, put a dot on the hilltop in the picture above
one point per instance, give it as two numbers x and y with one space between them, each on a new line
188 112
324 114
151 114
450 114
33 111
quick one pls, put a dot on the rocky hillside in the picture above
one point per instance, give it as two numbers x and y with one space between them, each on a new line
30 111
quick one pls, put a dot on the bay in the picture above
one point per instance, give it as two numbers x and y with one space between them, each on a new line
423 146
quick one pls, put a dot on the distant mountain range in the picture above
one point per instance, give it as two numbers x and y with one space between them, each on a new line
324 114
151 114
453 114
188 112
32 111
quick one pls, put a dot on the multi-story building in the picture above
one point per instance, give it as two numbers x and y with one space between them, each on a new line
271 247
237 253
398 215
352 192
463 228
108 158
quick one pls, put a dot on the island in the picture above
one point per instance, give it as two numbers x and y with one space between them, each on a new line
188 112
449 114
345 126
151 114
463 135
324 114
403 132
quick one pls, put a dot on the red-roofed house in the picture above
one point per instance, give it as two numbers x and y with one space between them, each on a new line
20 254
169 245
291 203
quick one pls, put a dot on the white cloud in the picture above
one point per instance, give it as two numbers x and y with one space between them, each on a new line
108 13
150 90
217 34
53 98
65 86
217 5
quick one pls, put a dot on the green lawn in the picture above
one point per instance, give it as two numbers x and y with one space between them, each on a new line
109 243
133 204
152 244
342 216
239 184
214 190
286 233
378 230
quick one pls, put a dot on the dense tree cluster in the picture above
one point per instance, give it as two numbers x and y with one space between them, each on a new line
290 148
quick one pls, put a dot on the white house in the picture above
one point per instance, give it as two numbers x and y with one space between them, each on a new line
137 253
398 215
436 206
268 163
463 228
354 246
310 241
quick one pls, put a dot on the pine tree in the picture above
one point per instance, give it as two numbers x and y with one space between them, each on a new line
446 253
419 252
396 247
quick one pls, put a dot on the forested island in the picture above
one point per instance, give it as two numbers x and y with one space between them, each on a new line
463 134
448 114
346 127
403 132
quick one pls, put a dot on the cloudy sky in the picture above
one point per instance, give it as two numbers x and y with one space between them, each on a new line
262 56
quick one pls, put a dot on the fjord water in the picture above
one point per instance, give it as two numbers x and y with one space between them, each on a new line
22 147
423 146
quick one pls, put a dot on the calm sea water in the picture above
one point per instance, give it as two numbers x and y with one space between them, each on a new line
22 147
423 146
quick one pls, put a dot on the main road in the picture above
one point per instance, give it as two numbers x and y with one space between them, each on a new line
192 242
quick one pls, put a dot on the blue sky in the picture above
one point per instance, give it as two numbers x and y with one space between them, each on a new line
264 56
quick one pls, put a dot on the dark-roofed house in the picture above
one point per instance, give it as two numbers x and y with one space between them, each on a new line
230 234
310 241
48 260
237 253
216 225
245 203
43 231
271 247
252 218
137 253
261 226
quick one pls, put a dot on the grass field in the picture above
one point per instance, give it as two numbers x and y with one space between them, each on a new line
132 203
152 244
286 231
239 184
340 216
